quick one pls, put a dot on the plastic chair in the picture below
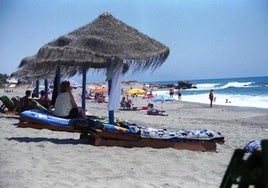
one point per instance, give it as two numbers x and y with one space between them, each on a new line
252 171
7 103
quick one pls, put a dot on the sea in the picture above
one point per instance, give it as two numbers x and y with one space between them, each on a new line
242 92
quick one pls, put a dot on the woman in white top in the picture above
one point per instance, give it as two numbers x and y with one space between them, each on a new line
65 105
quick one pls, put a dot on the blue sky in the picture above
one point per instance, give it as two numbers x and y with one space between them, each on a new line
207 38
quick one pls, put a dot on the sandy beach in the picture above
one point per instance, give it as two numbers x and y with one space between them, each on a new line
43 158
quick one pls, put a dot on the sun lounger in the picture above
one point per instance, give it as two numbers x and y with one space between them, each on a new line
123 134
16 101
39 119
131 135
110 138
6 103
38 105
252 171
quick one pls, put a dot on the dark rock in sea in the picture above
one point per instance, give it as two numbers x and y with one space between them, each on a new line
184 84
161 86
166 86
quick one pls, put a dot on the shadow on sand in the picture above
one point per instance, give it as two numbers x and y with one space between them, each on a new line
52 140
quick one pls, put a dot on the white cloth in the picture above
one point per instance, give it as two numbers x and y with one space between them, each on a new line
114 96
63 105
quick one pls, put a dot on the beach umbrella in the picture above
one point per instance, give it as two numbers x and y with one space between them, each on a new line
136 91
101 90
161 98
94 44
148 96
28 74
106 43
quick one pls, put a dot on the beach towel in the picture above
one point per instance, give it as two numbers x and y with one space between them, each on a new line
114 93
200 134
252 146
152 133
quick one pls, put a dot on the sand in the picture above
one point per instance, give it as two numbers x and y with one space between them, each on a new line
43 158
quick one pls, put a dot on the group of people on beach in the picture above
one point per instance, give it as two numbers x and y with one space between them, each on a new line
126 103
64 106
25 103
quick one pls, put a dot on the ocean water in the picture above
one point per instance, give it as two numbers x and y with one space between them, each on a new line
244 92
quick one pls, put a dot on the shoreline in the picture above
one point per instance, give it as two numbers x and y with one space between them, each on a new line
126 85
230 106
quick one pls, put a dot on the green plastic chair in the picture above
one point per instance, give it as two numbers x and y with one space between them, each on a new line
38 106
252 171
6 103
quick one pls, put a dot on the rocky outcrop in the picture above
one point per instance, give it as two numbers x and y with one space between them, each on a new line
185 84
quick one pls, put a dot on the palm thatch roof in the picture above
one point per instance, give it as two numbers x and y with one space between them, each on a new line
29 74
93 45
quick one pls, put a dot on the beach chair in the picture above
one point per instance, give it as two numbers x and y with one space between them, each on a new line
16 101
38 106
6 103
249 172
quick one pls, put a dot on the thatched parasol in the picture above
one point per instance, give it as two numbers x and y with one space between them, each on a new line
106 42
94 44
28 74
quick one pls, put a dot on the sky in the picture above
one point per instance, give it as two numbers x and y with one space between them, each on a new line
207 38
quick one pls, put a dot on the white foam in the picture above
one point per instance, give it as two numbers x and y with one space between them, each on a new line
235 84
205 86
233 100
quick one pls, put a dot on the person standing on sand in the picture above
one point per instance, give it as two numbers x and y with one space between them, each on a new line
171 92
179 93
211 97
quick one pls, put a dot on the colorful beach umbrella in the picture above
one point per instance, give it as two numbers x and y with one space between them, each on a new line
136 91
162 98
101 90
148 96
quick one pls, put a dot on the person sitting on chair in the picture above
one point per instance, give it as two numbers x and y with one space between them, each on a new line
42 100
65 105
123 103
25 102
128 103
